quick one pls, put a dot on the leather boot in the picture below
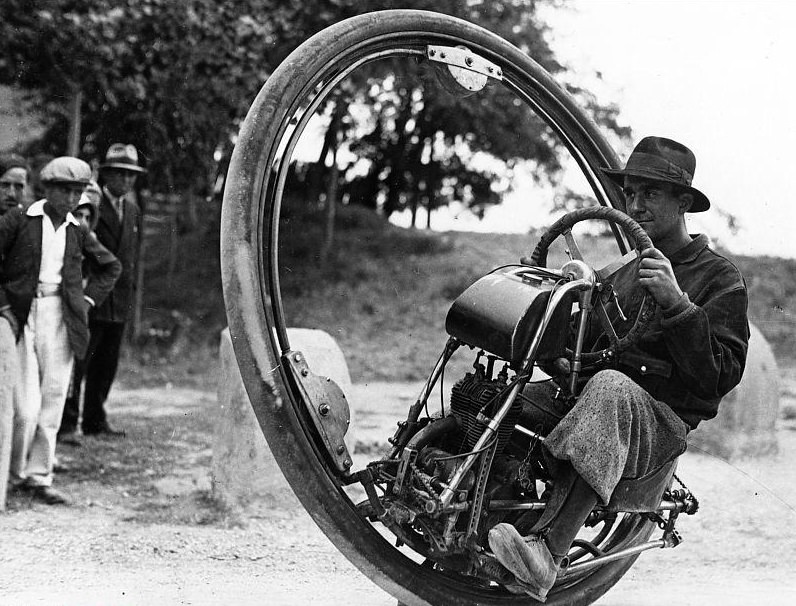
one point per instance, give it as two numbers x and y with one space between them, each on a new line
527 558
534 560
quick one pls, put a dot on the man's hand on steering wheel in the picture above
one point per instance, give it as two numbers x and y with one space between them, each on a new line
655 273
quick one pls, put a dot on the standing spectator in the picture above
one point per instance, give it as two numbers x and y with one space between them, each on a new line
87 214
119 230
13 182
87 211
43 300
37 162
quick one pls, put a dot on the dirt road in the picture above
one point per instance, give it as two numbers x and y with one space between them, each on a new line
144 530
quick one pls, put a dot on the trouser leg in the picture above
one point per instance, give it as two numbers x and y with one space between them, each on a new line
579 503
615 431
71 414
72 408
55 358
101 367
27 399
9 373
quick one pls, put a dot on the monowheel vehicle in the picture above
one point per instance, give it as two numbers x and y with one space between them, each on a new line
419 524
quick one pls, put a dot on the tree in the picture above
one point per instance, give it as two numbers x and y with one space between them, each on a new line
422 133
176 79
173 78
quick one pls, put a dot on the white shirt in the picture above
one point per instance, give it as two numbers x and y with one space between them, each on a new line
53 243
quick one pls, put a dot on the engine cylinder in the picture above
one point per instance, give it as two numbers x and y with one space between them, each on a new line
473 395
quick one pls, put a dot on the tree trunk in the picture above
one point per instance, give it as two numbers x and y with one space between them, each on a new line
396 155
192 212
330 139
331 143
331 210
75 117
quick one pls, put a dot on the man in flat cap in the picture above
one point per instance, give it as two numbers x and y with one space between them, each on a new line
631 421
44 302
119 230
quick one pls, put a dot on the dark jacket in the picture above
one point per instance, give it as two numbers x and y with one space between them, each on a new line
20 251
123 239
694 352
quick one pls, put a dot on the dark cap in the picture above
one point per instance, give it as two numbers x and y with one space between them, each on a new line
9 161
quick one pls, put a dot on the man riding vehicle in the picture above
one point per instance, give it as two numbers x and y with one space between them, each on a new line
641 410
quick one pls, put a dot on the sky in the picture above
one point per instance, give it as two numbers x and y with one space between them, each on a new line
718 76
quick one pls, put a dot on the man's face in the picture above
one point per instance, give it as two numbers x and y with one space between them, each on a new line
12 188
63 197
654 206
119 181
83 215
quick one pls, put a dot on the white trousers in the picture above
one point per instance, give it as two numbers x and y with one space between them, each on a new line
45 364
9 373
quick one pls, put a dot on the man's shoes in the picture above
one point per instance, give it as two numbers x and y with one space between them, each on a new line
49 495
104 430
60 467
18 489
527 558
69 437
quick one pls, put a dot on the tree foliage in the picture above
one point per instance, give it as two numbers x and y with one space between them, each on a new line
176 79
171 77
421 135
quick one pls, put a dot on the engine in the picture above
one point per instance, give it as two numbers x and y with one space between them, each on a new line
474 400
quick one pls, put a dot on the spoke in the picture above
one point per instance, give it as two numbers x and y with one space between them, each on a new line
614 266
605 320
574 251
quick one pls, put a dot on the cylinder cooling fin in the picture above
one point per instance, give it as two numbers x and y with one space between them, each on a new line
474 395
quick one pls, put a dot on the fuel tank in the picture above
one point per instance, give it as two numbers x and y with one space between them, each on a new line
501 311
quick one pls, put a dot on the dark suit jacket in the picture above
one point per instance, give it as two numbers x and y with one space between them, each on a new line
123 239
20 251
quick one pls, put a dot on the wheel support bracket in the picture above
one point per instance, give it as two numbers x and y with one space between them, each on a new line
469 70
327 407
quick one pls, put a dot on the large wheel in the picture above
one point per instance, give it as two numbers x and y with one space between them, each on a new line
249 258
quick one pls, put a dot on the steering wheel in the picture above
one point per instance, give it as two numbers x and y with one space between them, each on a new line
640 240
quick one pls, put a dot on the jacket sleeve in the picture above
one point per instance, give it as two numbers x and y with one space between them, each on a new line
9 227
709 342
105 269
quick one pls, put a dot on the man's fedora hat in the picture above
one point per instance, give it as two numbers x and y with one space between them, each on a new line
123 157
661 159
66 170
